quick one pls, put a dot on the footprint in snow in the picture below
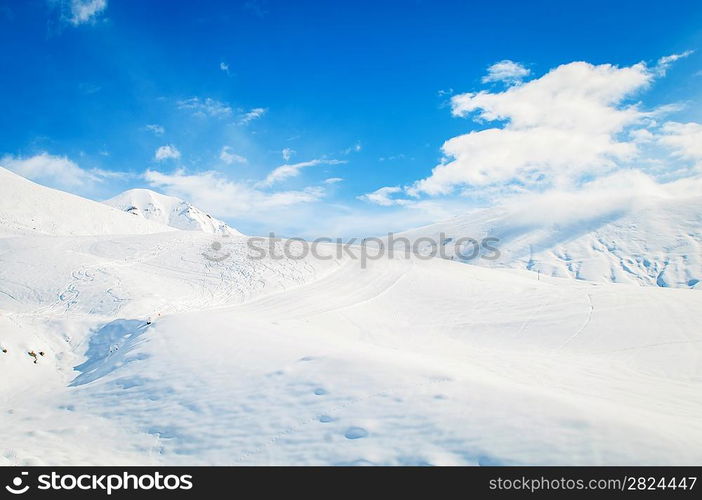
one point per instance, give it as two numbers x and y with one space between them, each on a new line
320 392
355 433
325 419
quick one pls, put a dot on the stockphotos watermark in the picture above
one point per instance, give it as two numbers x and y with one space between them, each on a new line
106 483
364 250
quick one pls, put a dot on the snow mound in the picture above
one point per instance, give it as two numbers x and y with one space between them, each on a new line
168 210
28 208
653 242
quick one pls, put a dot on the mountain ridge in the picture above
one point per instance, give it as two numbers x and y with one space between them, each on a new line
654 241
30 208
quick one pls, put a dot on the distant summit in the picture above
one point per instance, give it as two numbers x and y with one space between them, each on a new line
169 210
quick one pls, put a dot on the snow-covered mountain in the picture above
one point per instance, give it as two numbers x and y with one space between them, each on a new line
653 241
168 349
169 210
29 208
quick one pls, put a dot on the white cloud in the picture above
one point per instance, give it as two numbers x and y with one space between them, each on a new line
286 171
287 153
383 198
205 107
289 212
333 180
224 67
568 146
665 62
156 129
167 152
227 198
85 11
685 139
252 115
228 156
506 71
56 171
619 192
208 107
641 135
558 128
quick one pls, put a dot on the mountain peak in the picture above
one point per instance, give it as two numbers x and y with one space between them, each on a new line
168 210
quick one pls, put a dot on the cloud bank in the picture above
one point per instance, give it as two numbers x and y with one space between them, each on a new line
577 127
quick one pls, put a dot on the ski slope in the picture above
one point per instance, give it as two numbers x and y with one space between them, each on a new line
176 347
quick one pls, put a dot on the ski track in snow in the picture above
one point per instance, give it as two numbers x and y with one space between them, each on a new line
588 319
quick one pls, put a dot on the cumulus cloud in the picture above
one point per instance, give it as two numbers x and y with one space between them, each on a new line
167 152
553 129
293 170
506 71
56 171
205 107
570 145
85 11
224 67
228 156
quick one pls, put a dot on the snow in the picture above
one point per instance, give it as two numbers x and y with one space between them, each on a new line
28 208
168 210
176 347
655 242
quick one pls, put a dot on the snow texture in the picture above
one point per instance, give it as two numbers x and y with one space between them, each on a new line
156 346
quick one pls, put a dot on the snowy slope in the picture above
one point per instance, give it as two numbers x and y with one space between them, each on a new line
28 208
656 241
178 347
407 361
168 210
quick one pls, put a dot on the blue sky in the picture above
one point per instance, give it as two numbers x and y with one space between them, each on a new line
329 117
